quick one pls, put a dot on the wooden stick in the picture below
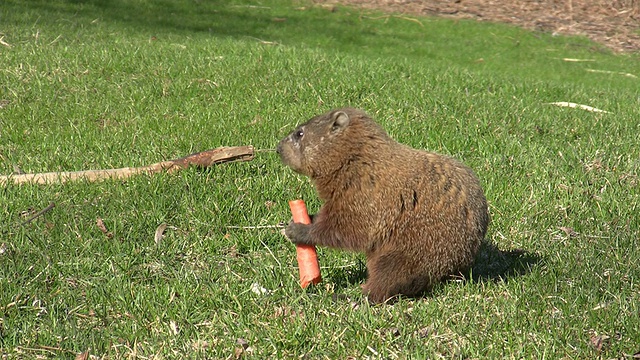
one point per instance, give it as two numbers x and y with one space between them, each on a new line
202 159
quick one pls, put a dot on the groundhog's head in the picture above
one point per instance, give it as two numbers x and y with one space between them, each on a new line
327 142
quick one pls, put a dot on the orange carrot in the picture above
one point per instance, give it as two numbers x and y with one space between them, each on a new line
306 254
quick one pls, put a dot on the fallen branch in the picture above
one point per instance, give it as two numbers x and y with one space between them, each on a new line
578 106
201 159
612 72
577 60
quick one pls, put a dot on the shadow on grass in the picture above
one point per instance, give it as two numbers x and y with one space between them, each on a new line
493 264
347 277
273 22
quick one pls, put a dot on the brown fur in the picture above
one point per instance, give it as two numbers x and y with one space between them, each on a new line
418 216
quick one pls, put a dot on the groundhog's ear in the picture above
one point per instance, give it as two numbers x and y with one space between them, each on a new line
340 120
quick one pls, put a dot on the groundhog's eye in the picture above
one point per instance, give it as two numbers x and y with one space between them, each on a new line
298 134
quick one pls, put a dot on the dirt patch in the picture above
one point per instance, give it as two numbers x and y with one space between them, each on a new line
615 24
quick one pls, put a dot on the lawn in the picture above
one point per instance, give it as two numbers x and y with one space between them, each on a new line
110 84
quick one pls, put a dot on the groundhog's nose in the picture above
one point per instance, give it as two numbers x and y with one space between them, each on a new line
278 148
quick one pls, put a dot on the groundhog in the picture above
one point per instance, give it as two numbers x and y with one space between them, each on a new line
418 216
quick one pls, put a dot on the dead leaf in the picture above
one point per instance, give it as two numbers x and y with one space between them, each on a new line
244 347
601 305
259 290
599 341
174 327
103 228
27 213
232 252
269 204
392 332
256 119
242 342
159 233
569 231
83 355
4 43
425 332
328 7
200 345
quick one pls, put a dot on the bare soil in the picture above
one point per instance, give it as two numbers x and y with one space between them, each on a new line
615 23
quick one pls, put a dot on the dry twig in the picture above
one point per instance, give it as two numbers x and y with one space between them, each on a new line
38 214
202 159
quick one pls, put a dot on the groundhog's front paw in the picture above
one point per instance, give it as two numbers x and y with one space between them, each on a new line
297 233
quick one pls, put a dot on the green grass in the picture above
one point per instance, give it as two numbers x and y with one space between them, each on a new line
100 84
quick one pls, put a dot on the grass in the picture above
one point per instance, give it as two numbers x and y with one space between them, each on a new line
97 84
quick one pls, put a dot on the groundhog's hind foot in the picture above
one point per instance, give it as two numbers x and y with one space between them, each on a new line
390 274
380 288
384 294
376 296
